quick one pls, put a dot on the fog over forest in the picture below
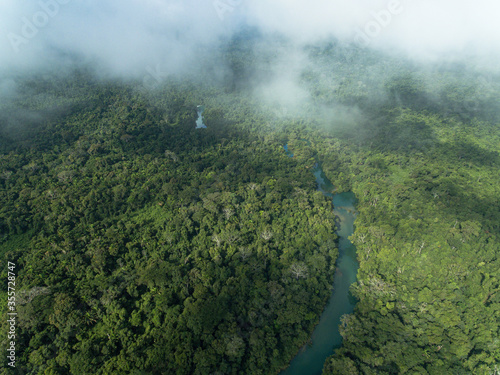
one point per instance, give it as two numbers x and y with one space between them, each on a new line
148 41
126 37
181 181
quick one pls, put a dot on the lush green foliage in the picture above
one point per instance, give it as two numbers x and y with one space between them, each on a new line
427 233
146 246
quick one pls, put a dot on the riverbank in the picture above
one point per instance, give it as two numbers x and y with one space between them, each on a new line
326 336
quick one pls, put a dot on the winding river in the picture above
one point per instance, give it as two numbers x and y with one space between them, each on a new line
326 337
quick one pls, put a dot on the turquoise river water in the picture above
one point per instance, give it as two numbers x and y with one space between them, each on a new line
326 337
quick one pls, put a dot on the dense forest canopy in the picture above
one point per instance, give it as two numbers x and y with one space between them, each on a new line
145 246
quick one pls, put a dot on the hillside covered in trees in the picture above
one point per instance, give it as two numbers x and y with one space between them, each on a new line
145 246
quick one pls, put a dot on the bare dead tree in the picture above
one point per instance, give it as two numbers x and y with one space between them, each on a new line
245 252
228 212
231 237
217 239
6 175
267 235
26 296
421 247
171 155
299 270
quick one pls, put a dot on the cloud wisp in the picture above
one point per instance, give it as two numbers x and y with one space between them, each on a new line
130 37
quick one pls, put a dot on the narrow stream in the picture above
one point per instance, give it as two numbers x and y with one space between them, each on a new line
326 337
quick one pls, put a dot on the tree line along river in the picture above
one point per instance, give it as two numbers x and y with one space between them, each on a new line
326 336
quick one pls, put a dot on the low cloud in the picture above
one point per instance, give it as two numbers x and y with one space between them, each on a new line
120 37
149 40
124 37
422 29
